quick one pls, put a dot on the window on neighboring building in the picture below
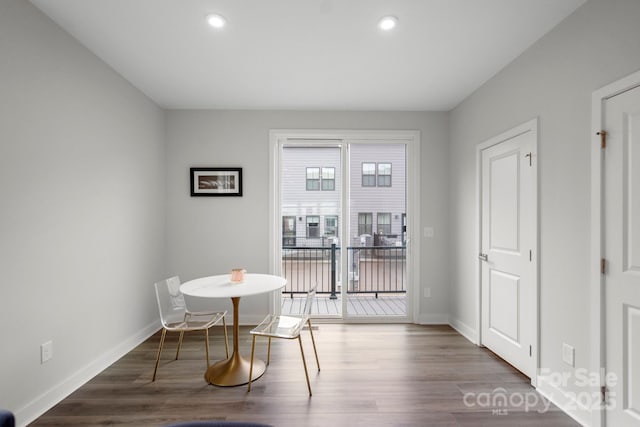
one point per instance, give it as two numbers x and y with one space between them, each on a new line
313 226
365 223
331 226
313 179
328 179
376 174
289 230
384 223
321 179
384 174
368 174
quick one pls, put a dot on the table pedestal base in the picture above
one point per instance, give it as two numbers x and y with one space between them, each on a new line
234 371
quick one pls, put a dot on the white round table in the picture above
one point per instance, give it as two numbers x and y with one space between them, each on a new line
234 370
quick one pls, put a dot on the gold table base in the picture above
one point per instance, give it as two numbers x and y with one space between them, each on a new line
234 371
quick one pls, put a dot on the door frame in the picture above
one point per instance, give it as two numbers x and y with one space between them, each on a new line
529 126
597 279
278 136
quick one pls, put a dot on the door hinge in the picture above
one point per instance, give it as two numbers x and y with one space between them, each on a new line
604 393
529 155
530 256
530 351
603 266
603 138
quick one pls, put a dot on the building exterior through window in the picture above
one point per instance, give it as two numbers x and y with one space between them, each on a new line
311 204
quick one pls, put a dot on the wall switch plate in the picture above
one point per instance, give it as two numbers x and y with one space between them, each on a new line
568 354
46 351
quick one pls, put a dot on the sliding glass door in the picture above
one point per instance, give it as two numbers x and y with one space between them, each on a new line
342 225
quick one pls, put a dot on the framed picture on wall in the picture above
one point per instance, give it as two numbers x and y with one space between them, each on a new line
216 182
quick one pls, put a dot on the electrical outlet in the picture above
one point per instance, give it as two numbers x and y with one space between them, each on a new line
568 354
46 351
428 232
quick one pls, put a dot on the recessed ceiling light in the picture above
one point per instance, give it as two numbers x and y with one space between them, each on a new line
216 21
387 23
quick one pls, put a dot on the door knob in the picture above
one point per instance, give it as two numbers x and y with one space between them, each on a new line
483 257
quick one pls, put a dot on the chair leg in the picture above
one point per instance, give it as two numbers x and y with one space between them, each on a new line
179 344
314 344
226 338
164 333
206 343
269 352
304 362
253 349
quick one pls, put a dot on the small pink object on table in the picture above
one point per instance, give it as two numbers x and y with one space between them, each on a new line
237 275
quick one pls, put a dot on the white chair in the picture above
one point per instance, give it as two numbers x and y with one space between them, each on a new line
287 327
175 316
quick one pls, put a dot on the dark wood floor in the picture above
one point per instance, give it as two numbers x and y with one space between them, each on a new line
372 375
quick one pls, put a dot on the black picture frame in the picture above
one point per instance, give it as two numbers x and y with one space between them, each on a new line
216 182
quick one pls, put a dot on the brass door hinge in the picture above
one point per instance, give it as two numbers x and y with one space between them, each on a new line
603 266
603 138
604 393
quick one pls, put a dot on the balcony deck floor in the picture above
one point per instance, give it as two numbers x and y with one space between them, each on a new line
358 305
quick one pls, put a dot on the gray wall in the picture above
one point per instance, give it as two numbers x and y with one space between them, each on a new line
209 235
82 215
553 80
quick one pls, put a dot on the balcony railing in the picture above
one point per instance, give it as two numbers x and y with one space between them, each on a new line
372 269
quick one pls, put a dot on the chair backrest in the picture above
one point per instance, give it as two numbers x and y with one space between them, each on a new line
308 304
170 300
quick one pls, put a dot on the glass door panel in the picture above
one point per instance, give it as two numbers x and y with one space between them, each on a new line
311 203
377 275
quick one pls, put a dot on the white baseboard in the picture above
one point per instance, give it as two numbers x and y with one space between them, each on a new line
465 330
433 319
53 396
567 402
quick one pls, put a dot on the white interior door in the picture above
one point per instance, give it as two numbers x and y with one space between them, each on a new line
622 251
508 247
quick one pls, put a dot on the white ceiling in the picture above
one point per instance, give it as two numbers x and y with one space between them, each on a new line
308 54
